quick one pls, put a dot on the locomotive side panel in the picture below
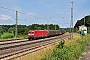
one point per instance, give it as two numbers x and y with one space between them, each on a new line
35 34
41 33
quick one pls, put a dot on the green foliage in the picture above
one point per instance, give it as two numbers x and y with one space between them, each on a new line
1 30
11 30
43 27
88 30
23 29
81 22
71 51
7 35
61 44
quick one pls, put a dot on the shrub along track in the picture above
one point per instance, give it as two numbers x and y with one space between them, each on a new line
13 49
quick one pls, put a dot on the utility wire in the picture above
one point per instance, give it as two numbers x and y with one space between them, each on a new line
60 13
36 6
7 8
18 11
27 14
46 10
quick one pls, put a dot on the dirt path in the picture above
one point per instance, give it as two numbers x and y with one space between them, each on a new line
86 54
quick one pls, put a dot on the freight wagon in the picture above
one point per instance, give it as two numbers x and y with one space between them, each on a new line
35 34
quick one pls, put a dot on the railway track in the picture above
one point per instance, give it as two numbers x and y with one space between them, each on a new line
12 49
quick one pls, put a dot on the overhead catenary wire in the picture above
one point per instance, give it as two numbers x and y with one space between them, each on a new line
34 5
16 10
29 14
54 15
60 14
7 8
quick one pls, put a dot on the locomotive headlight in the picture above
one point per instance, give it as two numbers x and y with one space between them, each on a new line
29 34
32 34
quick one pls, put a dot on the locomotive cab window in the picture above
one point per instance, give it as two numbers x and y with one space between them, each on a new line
31 32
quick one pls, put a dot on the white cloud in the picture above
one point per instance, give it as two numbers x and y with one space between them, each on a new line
5 17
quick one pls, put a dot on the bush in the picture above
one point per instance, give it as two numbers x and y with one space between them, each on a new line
7 35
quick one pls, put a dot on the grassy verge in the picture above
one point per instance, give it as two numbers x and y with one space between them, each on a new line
72 49
11 36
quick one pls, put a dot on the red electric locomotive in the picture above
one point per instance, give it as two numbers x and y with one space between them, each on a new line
34 34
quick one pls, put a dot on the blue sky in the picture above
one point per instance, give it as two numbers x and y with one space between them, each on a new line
42 11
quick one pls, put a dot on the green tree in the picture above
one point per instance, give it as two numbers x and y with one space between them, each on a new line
11 30
81 22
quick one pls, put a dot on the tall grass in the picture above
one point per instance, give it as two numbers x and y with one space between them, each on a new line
11 36
7 35
72 49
